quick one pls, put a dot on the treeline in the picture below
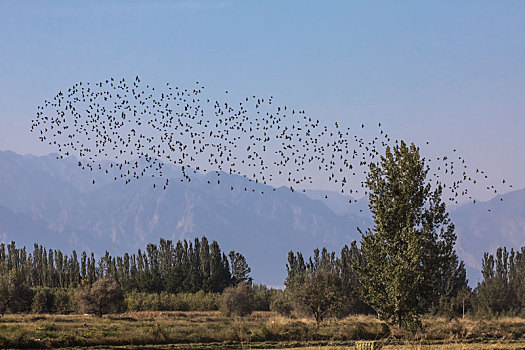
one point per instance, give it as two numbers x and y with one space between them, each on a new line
502 291
17 297
192 276
329 275
174 268
326 285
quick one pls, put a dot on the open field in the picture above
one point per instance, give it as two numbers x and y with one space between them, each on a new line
406 346
262 330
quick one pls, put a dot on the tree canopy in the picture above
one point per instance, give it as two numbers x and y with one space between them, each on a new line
407 262
175 267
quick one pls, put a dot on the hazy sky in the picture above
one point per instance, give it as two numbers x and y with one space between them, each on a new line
449 72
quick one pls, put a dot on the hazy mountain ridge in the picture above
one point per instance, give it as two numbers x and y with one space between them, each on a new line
481 230
61 198
340 204
54 202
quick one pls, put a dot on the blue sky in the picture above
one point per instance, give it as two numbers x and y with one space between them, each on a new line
449 72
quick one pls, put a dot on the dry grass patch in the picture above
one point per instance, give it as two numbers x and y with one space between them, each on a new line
260 330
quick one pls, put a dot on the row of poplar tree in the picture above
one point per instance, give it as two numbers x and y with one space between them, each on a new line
185 266
326 285
502 291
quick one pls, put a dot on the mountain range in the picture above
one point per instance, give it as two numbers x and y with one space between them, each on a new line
55 203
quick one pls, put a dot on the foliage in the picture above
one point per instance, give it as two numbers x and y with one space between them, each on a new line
53 300
407 260
64 301
262 298
459 305
238 300
15 295
185 266
4 294
281 304
316 293
104 296
164 301
324 276
43 301
502 291
239 268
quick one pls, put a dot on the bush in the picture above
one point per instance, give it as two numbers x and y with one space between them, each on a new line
20 296
262 297
104 296
238 300
281 304
4 294
64 302
200 301
316 293
43 301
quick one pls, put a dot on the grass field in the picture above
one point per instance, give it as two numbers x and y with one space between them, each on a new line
262 330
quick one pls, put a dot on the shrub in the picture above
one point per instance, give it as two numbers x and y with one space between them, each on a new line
316 293
43 301
20 296
104 296
200 301
281 304
238 300
64 302
262 297
4 294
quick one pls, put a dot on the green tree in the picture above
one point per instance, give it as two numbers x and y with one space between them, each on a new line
353 303
316 293
4 293
408 256
281 303
104 296
294 267
214 280
63 301
239 268
20 296
325 285
43 301
461 304
262 297
205 264
497 293
238 300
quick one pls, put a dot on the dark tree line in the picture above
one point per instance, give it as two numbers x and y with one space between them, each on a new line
502 291
325 285
185 266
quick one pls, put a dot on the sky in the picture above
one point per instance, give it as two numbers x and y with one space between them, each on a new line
451 73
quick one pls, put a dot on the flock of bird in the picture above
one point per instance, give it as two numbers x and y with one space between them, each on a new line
141 128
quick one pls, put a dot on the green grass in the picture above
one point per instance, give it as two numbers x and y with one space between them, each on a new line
262 330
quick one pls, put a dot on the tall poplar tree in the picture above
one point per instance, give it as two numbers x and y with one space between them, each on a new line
408 257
